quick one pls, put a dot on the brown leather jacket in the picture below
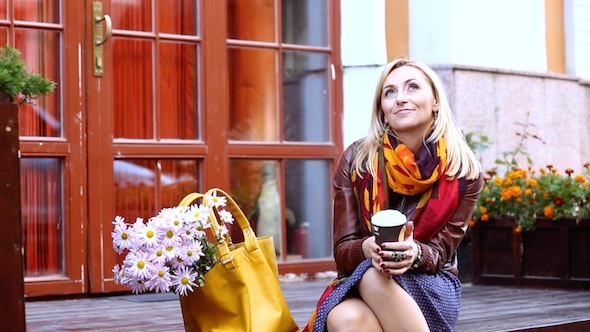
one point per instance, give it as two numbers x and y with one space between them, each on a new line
437 254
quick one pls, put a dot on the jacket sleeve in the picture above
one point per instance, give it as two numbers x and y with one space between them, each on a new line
440 252
348 237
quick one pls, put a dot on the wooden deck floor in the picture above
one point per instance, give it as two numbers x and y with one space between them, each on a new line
484 308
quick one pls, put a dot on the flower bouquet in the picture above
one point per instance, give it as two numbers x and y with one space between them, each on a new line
172 250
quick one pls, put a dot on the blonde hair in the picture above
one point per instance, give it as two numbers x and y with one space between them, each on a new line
461 160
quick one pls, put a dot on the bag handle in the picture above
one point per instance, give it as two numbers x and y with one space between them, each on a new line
250 240
223 250
188 199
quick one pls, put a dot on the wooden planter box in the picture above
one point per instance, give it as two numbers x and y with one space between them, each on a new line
12 315
555 255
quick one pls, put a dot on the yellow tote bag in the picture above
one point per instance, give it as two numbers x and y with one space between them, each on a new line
241 292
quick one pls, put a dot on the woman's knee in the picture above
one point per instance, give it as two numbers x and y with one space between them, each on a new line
352 315
374 283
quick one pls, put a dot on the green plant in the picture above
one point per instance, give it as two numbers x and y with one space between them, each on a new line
525 195
510 158
16 80
478 142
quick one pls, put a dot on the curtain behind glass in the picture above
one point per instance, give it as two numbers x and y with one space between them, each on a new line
42 215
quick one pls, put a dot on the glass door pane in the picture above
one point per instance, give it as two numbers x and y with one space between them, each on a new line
253 98
43 216
133 88
251 20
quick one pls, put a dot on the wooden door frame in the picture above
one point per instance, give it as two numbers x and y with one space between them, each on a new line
73 148
100 97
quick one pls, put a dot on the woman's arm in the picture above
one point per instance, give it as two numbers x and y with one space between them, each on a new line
348 237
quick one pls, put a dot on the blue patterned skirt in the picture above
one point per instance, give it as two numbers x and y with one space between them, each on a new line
437 295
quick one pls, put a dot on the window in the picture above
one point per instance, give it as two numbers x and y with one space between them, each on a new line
281 99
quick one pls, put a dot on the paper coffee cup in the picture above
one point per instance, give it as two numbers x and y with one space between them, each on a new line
388 226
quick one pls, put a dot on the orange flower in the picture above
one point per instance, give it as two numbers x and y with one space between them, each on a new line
580 178
549 212
569 171
532 182
517 174
485 217
528 192
543 171
505 194
518 230
498 181
516 191
471 223
483 210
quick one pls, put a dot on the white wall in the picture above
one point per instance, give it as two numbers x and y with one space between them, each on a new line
363 32
577 27
363 52
504 34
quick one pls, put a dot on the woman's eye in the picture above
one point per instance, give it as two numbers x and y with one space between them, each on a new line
388 93
413 86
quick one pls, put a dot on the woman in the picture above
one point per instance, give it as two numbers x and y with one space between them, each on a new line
414 159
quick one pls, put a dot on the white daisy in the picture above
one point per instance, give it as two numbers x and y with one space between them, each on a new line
147 233
184 280
161 281
177 263
171 236
226 216
138 265
121 238
198 212
216 201
222 231
191 253
170 252
119 274
159 256
137 285
119 221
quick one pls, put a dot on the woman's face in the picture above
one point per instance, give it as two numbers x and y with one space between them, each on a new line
407 100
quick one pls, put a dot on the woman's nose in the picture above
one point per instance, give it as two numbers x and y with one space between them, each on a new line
401 98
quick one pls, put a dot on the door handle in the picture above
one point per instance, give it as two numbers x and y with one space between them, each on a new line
109 28
98 37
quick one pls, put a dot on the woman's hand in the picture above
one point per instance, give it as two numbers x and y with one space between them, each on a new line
371 249
395 258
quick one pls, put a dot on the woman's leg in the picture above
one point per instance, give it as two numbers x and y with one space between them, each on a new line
352 314
394 308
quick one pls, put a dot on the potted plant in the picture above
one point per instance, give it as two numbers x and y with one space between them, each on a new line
16 82
531 227
527 196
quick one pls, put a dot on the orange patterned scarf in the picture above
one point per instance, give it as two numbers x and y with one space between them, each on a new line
409 174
